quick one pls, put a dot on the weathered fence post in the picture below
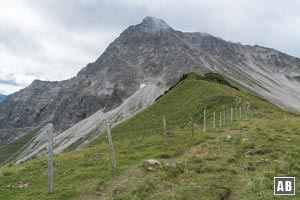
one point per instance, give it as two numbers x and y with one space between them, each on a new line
204 121
220 119
165 132
214 122
111 146
50 158
248 106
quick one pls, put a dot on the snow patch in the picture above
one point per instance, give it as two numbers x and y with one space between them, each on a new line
142 85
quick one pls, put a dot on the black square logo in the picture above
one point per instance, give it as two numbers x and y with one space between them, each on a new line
284 185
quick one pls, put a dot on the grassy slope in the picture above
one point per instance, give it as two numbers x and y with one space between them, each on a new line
11 151
263 144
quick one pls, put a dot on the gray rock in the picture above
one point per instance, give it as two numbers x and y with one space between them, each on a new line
152 162
173 165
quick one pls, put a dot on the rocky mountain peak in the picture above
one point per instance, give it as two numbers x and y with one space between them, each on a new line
149 25
155 23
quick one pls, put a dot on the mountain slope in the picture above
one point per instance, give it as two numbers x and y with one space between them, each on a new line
2 97
212 165
150 53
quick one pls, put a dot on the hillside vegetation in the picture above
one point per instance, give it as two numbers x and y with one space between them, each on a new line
11 151
236 161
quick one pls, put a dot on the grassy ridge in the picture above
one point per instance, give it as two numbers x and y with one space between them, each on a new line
237 161
11 151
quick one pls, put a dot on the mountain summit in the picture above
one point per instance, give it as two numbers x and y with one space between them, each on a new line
140 65
155 24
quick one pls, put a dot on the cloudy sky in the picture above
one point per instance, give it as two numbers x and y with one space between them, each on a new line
53 40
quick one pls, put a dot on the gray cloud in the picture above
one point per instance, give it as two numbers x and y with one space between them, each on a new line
18 41
81 15
9 82
53 40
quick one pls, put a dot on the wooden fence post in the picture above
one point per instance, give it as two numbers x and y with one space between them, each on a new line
165 132
204 121
111 146
192 122
220 119
50 158
214 122
236 114
248 106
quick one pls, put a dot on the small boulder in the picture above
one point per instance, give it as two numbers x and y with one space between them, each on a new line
173 165
228 137
152 162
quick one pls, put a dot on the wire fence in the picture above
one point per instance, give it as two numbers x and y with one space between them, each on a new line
161 133
206 120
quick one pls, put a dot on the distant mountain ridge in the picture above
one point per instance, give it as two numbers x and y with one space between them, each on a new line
2 97
153 54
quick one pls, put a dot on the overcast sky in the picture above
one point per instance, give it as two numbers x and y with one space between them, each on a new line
53 39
